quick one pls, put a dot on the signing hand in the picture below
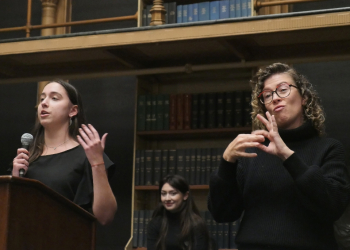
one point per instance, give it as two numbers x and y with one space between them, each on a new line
89 139
20 161
237 147
276 146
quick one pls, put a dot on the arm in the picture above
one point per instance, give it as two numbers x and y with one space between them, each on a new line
323 189
225 201
104 204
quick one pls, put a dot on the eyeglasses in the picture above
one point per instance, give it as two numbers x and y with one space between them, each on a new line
283 90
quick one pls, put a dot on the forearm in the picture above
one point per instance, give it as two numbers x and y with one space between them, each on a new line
104 203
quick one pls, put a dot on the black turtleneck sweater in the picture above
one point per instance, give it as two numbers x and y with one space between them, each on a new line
172 241
289 204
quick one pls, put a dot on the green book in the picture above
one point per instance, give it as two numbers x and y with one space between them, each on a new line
154 113
149 159
164 164
148 112
220 110
238 109
160 112
141 113
211 106
247 109
166 108
229 109
157 166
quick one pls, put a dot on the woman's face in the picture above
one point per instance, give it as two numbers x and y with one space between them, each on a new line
288 111
55 108
172 198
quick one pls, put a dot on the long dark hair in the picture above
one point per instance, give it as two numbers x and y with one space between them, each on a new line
190 219
38 132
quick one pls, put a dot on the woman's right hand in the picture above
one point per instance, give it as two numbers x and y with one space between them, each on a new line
237 147
20 161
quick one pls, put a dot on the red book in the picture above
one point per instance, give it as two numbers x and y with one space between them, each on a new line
180 111
187 111
172 111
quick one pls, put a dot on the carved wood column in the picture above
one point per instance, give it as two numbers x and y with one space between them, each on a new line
158 13
48 16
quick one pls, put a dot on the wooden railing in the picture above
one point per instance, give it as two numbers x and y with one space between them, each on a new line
28 27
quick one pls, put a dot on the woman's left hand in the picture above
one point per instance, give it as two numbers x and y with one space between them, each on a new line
90 140
276 146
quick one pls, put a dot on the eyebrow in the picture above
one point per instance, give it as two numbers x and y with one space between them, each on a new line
51 93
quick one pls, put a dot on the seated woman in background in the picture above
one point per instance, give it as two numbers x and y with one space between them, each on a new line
176 223
67 155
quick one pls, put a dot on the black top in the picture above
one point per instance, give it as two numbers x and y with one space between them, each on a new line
287 205
172 241
68 173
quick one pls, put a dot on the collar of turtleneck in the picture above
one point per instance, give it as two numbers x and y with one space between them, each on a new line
301 133
175 215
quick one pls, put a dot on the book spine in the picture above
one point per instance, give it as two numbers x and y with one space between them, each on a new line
220 235
224 9
180 111
233 232
203 11
149 158
179 14
142 167
212 111
220 110
141 113
148 112
187 111
172 112
137 168
164 165
180 162
203 166
172 12
193 166
208 165
159 112
238 8
157 166
149 15
214 7
232 8
172 161
185 13
145 226
141 227
214 231
244 9
247 119
190 13
229 109
166 15
249 8
202 121
166 112
214 156
195 111
154 112
198 165
188 165
144 16
239 109
195 12
208 219
135 229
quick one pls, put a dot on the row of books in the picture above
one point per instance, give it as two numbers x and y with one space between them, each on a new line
194 164
203 11
194 111
223 234
213 10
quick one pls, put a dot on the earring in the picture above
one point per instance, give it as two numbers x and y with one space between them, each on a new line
70 121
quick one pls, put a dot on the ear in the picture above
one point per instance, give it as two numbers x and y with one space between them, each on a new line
186 195
73 111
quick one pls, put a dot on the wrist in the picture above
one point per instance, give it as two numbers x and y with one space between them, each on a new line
285 154
97 164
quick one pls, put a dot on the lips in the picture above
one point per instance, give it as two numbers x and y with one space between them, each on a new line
44 113
278 108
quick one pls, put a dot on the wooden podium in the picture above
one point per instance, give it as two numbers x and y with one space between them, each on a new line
34 217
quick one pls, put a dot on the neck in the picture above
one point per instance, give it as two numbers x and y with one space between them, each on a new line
55 137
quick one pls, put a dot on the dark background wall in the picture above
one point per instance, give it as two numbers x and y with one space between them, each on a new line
109 102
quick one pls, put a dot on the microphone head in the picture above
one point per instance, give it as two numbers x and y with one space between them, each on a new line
26 139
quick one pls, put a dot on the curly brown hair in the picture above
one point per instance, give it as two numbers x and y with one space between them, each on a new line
312 110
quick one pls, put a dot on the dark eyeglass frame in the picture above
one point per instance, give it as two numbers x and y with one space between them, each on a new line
282 83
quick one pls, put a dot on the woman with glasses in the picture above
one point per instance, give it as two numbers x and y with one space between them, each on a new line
286 178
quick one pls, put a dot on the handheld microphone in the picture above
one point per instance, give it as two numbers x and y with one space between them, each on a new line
26 140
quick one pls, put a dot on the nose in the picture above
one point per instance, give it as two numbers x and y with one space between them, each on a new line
44 102
167 197
275 97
